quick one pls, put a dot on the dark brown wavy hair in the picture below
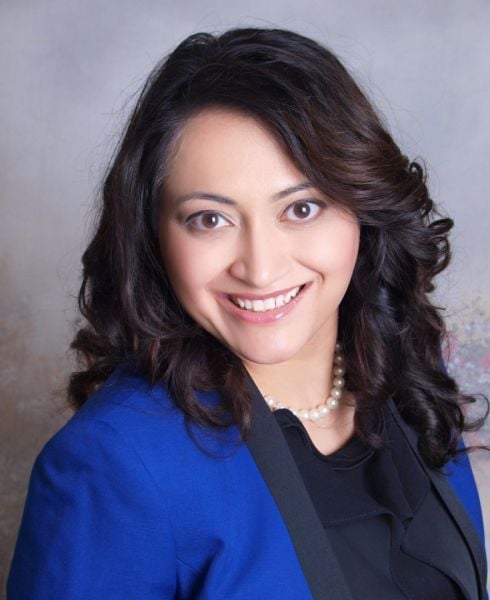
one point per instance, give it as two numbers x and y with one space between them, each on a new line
391 332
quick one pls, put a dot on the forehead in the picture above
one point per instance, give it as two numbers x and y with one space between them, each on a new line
225 146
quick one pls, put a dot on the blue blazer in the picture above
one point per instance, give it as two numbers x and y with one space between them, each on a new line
123 504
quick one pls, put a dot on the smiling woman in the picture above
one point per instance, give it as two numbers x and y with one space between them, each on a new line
276 254
262 409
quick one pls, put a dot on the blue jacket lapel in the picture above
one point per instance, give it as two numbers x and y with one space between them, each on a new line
278 468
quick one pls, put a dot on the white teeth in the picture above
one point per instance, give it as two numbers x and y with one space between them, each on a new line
269 304
258 305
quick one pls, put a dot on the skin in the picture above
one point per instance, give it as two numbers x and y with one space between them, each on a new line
259 245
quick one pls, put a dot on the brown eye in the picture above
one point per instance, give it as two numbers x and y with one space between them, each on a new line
301 210
209 220
206 221
304 210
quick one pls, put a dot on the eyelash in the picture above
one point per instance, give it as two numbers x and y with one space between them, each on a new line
189 222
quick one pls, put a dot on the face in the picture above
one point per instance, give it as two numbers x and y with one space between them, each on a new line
256 255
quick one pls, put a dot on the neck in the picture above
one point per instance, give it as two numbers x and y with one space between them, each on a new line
300 382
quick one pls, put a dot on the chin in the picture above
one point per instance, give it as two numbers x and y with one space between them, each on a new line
265 356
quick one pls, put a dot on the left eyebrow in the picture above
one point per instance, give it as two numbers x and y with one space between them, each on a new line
226 200
291 190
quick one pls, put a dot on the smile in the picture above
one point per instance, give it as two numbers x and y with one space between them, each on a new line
270 303
256 310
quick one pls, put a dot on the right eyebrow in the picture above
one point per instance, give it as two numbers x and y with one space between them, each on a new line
204 196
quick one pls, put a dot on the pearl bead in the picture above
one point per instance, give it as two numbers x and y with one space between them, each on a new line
322 409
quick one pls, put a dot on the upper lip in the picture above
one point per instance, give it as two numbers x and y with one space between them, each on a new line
264 297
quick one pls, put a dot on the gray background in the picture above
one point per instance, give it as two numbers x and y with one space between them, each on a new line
69 72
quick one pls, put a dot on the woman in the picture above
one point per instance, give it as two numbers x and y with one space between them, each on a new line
263 410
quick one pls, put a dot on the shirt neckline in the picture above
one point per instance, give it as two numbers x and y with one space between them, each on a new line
350 455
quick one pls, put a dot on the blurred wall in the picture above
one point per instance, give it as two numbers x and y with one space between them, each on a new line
69 72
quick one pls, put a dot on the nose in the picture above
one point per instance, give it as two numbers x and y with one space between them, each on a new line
261 257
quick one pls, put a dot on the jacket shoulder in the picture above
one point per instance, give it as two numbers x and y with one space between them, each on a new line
149 418
91 482
125 395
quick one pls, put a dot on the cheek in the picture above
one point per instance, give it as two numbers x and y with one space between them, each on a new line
350 249
334 251
189 265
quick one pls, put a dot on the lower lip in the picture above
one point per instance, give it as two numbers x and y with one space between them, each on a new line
260 318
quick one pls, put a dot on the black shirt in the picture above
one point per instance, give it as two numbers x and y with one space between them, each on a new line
367 498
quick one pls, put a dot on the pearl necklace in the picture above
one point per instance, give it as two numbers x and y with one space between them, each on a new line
332 402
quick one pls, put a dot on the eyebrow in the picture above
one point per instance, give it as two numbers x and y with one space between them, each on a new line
226 200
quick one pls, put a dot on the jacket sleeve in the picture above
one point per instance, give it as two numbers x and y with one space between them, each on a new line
460 475
94 523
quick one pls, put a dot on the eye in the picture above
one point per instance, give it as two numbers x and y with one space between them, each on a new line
206 220
304 210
